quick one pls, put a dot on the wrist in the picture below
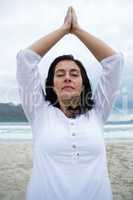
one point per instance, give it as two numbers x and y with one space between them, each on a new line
64 30
76 30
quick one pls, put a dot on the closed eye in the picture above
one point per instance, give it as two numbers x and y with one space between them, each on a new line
63 74
59 75
76 75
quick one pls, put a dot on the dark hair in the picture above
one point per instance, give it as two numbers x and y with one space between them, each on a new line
86 101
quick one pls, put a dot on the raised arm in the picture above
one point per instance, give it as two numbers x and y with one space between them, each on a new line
112 63
43 45
27 74
97 47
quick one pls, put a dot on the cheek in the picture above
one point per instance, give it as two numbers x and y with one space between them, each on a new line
79 84
56 85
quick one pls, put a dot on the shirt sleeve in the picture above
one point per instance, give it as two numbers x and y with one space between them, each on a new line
108 86
29 83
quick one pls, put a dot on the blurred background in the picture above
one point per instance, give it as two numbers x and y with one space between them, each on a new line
23 22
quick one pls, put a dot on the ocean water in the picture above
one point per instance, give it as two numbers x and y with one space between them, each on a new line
22 131
15 130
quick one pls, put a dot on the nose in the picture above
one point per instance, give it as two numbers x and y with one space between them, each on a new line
67 78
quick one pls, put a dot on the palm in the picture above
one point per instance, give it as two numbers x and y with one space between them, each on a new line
74 22
70 21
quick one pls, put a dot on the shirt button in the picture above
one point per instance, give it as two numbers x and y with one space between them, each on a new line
73 134
72 123
74 146
77 154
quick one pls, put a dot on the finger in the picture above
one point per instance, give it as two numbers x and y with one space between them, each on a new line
69 14
74 12
69 10
74 15
70 7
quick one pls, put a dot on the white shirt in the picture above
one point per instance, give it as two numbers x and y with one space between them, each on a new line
69 154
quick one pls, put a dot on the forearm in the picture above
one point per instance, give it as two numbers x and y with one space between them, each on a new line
97 47
43 45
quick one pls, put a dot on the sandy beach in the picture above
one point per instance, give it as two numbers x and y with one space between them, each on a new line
16 163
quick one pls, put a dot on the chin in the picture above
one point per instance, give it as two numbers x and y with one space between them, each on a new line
68 95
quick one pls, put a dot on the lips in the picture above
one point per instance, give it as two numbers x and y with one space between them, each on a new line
67 87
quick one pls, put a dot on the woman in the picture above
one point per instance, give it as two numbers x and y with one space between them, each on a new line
69 156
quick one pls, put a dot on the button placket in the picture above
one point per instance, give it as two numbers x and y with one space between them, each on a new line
72 128
75 157
74 146
72 123
75 154
73 134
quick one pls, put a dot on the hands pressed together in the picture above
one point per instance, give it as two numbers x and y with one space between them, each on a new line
70 25
70 22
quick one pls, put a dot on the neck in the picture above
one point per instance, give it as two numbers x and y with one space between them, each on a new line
70 107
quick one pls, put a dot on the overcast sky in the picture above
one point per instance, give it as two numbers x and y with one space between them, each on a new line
23 22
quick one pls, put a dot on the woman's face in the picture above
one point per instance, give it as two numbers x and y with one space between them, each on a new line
67 80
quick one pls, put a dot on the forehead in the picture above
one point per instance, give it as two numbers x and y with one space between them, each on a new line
66 65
